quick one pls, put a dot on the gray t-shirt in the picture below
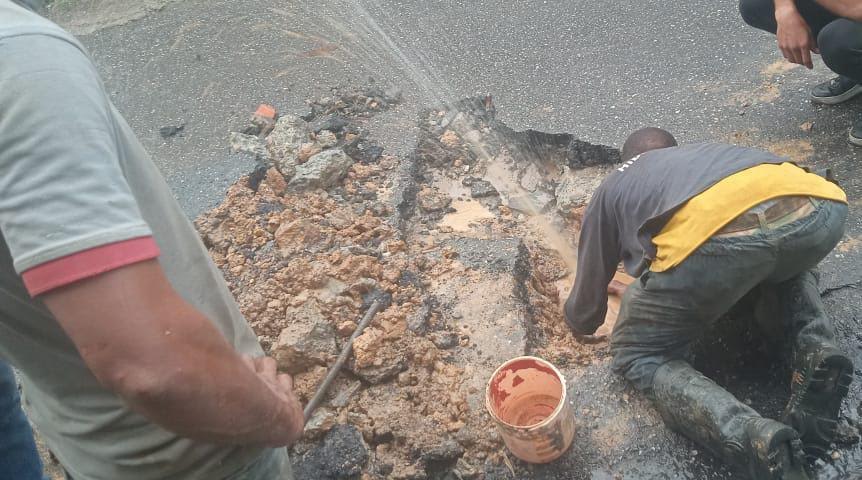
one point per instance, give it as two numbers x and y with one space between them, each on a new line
634 203
73 177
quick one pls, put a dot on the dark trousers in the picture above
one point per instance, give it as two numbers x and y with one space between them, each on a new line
19 459
839 39
664 313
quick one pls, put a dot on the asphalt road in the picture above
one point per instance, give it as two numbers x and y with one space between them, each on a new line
598 69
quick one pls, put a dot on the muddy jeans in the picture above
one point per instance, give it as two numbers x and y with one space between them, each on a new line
663 314
273 464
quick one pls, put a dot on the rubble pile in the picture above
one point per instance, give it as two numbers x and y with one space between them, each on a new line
458 249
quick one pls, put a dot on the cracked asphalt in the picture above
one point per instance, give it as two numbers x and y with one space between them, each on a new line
596 69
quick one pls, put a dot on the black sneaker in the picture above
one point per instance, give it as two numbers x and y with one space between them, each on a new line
855 136
839 89
821 380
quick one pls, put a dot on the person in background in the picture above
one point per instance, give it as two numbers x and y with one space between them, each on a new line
831 28
135 362
700 226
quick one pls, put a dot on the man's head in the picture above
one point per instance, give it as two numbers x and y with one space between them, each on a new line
644 140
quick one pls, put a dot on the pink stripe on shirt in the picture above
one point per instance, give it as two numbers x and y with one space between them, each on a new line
88 263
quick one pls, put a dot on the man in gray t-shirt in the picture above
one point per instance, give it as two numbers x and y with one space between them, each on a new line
135 360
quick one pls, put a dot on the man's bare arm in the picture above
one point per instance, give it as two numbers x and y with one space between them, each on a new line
170 363
795 39
850 9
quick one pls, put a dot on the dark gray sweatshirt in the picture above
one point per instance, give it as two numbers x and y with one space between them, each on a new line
634 203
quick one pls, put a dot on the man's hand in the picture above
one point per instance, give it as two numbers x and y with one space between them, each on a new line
281 385
795 39
617 288
589 339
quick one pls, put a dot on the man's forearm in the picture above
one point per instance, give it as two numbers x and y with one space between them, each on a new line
211 395
168 361
850 9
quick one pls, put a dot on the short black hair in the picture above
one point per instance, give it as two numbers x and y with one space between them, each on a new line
644 140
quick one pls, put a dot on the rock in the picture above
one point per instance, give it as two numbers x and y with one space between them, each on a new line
256 176
363 285
531 178
262 120
445 340
447 452
276 181
339 219
466 436
531 204
305 384
323 170
169 131
377 374
508 255
306 151
450 139
346 328
331 289
300 235
473 137
326 139
364 152
333 123
284 142
382 434
576 188
343 397
417 322
321 421
250 144
432 200
308 340
482 188
466 471
342 456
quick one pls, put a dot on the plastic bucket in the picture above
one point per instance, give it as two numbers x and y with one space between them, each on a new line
526 397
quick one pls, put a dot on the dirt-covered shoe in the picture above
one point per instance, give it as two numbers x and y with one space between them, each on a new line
697 407
821 379
855 135
839 89
775 451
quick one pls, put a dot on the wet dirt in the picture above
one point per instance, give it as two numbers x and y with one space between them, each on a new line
770 88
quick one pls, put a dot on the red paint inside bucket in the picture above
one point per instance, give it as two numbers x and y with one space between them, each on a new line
525 392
